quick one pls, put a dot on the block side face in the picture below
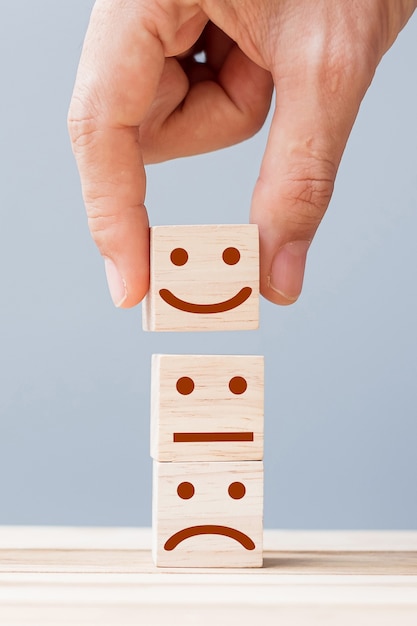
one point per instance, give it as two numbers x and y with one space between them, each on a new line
155 403
211 528
211 423
148 303
147 307
155 509
204 281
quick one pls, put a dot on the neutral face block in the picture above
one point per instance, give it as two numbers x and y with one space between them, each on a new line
203 278
208 514
207 407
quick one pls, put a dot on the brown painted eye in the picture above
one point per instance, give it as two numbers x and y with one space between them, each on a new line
186 490
237 490
231 256
179 256
238 385
185 385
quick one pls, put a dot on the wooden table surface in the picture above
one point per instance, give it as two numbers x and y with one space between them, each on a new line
105 576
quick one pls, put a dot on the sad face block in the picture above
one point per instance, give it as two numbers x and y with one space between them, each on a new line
208 514
207 408
203 278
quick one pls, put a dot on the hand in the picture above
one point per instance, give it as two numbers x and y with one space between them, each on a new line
140 97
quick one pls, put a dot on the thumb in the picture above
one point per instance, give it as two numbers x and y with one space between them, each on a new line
308 134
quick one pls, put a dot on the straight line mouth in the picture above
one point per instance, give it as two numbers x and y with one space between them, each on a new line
208 437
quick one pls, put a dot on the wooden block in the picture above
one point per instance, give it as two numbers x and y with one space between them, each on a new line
203 278
208 514
207 408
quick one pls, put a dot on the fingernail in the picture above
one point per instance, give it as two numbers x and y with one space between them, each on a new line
287 270
117 285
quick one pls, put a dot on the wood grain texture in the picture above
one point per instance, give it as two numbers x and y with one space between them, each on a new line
229 525
207 268
105 576
83 564
211 407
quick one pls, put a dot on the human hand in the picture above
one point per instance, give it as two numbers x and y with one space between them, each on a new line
139 98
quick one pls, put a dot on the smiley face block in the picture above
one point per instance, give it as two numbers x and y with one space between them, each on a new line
203 278
207 408
208 514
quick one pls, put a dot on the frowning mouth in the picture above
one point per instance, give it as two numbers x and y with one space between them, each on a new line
218 307
209 529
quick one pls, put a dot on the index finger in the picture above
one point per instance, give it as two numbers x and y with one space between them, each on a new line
118 75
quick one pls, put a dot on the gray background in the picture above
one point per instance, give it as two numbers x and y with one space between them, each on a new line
341 399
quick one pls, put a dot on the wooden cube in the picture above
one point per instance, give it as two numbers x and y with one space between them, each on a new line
207 408
203 278
208 514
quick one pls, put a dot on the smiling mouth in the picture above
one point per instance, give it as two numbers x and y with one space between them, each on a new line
209 529
218 307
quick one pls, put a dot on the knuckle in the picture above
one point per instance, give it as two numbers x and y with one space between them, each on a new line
308 191
82 122
255 120
100 227
99 224
255 108
99 200
342 70
250 120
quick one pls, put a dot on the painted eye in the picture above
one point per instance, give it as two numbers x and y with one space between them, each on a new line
179 256
237 490
238 385
186 490
185 385
231 256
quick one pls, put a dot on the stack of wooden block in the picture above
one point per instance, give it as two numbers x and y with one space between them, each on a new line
206 410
